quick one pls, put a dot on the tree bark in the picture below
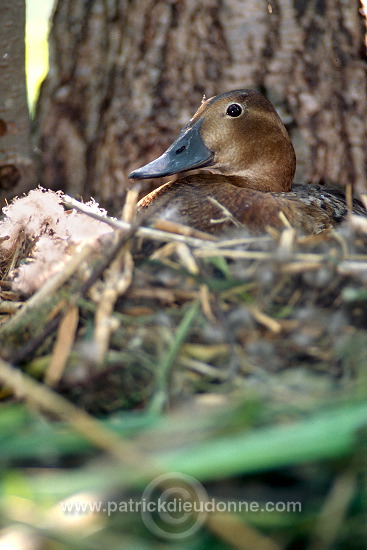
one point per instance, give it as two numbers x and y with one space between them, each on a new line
126 76
17 168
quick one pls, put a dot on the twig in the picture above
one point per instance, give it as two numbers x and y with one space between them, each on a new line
349 198
165 295
351 268
241 240
333 511
265 320
10 307
286 242
203 368
283 218
252 254
15 254
363 197
64 342
205 303
115 284
228 216
300 267
145 232
180 229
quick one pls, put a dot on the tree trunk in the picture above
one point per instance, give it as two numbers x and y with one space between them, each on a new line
126 76
17 169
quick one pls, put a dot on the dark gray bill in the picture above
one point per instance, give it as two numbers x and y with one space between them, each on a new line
186 153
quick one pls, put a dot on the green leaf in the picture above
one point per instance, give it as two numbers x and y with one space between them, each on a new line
325 435
160 394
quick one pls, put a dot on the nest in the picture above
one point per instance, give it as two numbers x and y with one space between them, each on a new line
112 328
248 350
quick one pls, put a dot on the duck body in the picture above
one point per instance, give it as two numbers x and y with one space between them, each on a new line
239 135
309 209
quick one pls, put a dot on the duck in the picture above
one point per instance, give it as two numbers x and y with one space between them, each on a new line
249 162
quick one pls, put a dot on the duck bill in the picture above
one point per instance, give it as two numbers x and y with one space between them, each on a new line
186 153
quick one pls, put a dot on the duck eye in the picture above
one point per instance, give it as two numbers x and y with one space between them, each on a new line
234 110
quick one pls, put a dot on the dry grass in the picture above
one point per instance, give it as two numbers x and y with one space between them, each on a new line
278 319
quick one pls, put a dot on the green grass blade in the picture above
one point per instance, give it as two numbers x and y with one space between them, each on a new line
326 435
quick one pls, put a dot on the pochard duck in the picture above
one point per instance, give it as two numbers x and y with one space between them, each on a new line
239 136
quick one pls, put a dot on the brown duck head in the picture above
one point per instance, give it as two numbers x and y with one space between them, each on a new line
238 134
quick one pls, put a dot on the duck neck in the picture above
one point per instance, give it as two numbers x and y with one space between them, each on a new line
269 177
267 168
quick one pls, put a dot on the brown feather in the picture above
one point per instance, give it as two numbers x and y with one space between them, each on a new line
256 163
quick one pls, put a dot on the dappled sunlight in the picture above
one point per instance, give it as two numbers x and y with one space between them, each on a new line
38 13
